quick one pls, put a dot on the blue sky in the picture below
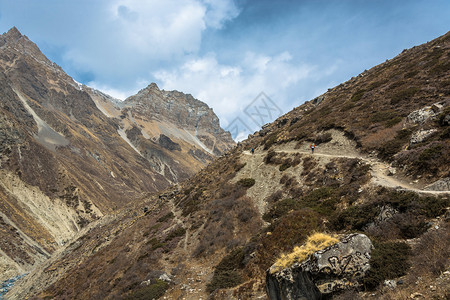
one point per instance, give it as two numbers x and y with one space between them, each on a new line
224 52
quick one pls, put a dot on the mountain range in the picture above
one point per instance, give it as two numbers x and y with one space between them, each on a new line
71 154
379 172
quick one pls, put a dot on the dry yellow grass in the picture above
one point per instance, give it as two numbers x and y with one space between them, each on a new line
314 242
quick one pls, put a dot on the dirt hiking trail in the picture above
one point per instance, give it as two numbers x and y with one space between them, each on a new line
340 147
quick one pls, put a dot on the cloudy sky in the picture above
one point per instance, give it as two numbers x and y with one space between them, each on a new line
224 52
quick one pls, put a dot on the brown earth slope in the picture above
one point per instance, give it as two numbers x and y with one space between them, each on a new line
381 167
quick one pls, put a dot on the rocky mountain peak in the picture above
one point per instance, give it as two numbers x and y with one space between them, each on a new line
13 34
17 42
152 86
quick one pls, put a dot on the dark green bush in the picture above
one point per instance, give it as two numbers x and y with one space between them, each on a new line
153 291
382 116
269 141
179 231
388 149
285 165
394 121
280 209
222 280
270 156
155 243
403 95
355 217
226 273
388 260
357 95
246 182
166 217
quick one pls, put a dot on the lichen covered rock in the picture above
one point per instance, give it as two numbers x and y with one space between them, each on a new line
332 269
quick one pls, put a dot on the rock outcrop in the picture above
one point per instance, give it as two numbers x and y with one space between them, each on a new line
332 269
440 185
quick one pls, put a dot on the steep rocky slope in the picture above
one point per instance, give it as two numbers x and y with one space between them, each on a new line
175 132
376 169
64 163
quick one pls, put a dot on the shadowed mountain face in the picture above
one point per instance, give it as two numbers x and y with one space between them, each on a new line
65 163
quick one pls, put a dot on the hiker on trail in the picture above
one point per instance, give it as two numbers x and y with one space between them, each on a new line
253 150
312 146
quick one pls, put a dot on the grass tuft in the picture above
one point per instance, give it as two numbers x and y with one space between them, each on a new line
314 242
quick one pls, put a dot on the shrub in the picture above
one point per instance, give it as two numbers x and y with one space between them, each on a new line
285 165
388 260
166 217
354 217
403 95
153 291
288 231
222 280
269 141
309 163
388 149
432 252
246 182
314 242
394 121
179 231
429 154
274 197
323 138
382 116
269 157
226 273
155 243
358 95
239 166
280 209
411 74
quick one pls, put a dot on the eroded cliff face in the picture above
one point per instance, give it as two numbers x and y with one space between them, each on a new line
64 162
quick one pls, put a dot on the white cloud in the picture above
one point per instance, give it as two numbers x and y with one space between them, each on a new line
219 12
116 93
123 40
230 88
161 28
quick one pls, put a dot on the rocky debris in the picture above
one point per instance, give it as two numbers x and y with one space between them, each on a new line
165 277
318 100
421 135
391 171
440 185
167 143
391 284
332 269
386 212
421 115
416 296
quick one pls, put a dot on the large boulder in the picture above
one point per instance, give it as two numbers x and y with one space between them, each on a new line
335 268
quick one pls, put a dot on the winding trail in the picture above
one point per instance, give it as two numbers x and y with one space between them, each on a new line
378 170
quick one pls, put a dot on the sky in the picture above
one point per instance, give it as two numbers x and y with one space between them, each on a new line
250 60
